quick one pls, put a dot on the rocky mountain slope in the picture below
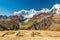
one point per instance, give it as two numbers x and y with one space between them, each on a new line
44 19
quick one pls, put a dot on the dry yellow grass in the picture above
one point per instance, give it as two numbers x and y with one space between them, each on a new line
55 23
29 35
34 34
56 17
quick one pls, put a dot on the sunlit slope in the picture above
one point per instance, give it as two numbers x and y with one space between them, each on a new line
55 23
49 22
32 22
44 23
9 25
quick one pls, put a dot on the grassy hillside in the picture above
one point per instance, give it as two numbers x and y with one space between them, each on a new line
36 23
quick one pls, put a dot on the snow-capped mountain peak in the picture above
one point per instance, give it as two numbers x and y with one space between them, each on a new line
45 10
56 8
33 11
21 12
26 13
30 13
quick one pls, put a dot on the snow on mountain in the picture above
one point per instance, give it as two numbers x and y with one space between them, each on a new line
21 12
45 10
26 13
30 13
56 8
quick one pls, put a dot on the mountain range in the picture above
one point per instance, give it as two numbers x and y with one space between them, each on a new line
45 19
28 14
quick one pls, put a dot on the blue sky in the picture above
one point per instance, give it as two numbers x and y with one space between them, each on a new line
7 7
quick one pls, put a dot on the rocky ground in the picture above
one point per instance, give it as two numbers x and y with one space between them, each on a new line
29 35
